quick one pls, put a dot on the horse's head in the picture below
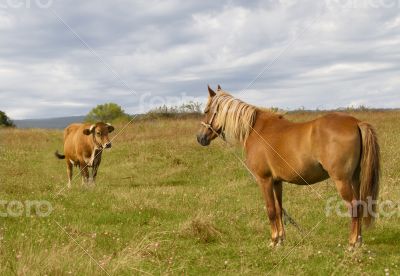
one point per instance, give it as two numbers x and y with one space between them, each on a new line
209 130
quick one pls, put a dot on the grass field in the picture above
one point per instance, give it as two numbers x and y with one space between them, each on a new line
165 205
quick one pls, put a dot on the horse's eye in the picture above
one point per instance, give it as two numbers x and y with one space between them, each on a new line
98 133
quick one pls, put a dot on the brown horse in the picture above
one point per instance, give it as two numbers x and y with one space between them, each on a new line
335 145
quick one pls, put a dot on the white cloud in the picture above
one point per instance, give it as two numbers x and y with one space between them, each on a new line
6 21
341 69
169 49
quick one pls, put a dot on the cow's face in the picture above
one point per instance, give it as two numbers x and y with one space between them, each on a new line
100 132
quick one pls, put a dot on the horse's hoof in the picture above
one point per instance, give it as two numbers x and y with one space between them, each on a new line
276 243
354 245
272 244
358 242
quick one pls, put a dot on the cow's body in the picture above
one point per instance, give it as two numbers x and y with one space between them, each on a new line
83 147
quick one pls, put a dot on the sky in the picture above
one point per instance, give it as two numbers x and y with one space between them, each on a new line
62 58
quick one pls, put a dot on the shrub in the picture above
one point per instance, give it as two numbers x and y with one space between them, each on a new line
5 120
190 108
106 113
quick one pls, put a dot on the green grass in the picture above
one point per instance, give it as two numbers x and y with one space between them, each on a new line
165 205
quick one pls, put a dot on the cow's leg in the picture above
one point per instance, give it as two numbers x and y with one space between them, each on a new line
279 210
69 173
267 190
85 173
350 196
96 166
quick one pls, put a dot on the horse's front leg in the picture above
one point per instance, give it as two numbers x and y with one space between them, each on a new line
267 190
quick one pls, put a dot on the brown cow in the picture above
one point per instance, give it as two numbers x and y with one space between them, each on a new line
83 146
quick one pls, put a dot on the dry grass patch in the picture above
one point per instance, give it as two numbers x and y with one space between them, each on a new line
201 227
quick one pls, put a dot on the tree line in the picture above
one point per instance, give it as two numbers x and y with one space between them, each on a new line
111 112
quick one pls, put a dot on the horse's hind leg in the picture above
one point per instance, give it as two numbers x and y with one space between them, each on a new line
350 194
279 211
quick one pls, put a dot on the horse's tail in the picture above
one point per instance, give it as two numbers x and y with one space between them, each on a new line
370 172
59 156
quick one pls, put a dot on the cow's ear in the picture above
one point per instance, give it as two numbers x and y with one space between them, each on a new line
88 131
110 128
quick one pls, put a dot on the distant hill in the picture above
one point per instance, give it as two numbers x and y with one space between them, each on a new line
54 123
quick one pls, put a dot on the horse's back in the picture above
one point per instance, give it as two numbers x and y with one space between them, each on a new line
306 152
285 151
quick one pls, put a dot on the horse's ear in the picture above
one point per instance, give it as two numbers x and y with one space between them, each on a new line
211 92
219 87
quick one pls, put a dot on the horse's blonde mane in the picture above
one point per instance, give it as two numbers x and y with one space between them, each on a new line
234 117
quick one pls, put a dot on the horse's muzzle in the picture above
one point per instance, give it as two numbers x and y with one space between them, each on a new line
203 140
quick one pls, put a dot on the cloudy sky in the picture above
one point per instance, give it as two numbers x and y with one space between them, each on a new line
61 58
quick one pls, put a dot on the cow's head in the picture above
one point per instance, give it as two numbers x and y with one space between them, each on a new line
100 132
